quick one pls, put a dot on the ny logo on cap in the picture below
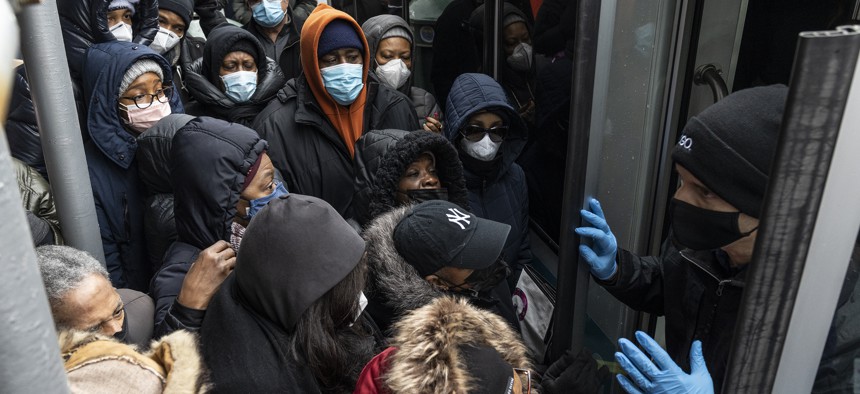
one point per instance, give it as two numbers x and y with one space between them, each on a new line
458 217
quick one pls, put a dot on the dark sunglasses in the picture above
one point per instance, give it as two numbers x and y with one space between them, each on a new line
476 133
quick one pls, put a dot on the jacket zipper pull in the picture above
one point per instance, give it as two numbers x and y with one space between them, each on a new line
720 287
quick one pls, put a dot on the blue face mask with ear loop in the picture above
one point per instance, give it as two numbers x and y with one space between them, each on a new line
343 82
240 85
257 204
268 13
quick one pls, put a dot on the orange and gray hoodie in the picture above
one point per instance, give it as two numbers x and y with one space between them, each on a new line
347 120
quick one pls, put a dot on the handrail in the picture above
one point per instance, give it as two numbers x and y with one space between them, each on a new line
709 74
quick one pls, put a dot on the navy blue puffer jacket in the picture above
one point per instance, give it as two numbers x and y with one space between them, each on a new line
110 155
499 193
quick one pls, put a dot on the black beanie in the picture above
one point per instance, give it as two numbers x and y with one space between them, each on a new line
183 8
730 145
338 34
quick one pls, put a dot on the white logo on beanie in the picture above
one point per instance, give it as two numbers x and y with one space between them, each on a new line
685 142
458 217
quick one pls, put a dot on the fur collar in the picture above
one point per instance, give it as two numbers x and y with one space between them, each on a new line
427 359
175 357
390 277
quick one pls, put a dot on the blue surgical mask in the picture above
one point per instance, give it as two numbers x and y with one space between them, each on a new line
268 13
240 85
343 82
254 206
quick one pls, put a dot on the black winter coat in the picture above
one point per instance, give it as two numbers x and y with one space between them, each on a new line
210 100
308 151
698 294
209 160
153 164
22 132
497 189
381 157
289 59
110 155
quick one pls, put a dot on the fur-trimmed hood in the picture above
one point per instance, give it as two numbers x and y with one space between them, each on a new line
428 359
391 281
173 360
381 157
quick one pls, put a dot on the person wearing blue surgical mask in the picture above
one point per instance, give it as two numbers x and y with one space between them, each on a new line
272 25
234 80
314 124
219 173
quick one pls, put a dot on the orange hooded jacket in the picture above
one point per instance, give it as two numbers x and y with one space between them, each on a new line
348 121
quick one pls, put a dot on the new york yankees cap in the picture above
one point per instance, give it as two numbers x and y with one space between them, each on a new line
437 234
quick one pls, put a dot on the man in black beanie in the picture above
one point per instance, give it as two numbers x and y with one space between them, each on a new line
723 159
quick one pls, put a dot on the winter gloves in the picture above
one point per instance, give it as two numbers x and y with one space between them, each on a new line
572 374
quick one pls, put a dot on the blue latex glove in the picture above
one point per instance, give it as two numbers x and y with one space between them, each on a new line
601 254
665 377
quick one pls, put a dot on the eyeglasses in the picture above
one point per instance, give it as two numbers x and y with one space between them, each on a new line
476 133
143 101
525 379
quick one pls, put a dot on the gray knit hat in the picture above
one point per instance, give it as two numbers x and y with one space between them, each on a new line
117 4
397 31
513 17
137 69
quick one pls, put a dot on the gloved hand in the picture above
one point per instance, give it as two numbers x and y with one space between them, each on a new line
574 374
601 254
665 377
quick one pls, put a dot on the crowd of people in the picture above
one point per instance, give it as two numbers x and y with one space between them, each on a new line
283 209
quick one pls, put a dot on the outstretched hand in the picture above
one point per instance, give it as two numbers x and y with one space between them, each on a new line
662 376
600 254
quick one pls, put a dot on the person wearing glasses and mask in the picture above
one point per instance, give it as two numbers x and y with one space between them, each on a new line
82 298
234 80
396 167
417 253
221 178
489 136
313 124
128 89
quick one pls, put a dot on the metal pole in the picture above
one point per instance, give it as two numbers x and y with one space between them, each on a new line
808 226
31 360
492 33
573 274
51 88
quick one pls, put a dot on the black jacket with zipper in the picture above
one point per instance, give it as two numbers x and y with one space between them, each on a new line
698 294
309 152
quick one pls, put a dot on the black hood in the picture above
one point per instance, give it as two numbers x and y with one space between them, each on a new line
288 261
209 160
153 153
381 157
84 23
220 42
215 101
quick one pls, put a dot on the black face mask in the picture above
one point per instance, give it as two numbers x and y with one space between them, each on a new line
420 195
704 229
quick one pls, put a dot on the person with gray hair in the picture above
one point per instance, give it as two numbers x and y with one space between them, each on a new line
82 298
